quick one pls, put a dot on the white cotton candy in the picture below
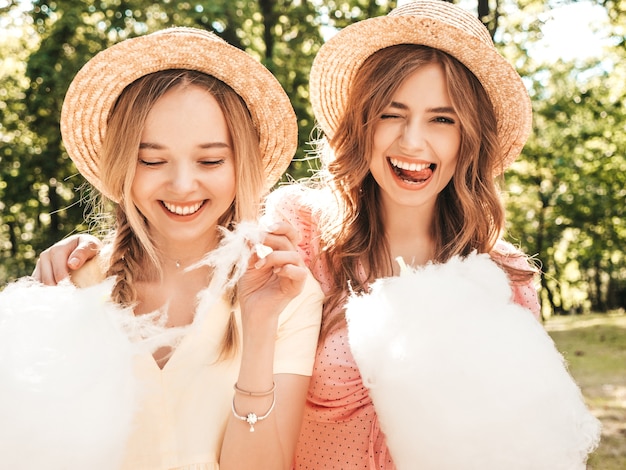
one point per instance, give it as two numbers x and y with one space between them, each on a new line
67 392
230 259
462 378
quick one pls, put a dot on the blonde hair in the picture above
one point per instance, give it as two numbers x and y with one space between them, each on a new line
469 213
134 256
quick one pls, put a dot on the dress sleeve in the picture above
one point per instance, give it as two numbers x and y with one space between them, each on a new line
526 296
296 204
299 323
298 331
524 292
302 206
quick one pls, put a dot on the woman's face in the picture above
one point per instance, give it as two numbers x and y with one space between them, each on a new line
185 176
416 142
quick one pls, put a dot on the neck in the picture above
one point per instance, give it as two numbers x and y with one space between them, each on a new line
181 263
180 255
409 235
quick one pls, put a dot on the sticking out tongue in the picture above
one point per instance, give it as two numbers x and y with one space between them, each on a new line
414 176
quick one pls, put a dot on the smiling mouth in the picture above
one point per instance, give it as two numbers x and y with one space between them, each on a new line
413 172
180 209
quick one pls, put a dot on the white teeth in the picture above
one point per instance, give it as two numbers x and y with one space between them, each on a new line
409 166
183 210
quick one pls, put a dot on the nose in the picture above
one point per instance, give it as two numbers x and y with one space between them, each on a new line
413 136
183 178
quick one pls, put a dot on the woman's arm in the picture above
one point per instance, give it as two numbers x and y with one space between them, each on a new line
280 311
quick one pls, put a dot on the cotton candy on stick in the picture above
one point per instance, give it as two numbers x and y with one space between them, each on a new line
462 378
67 394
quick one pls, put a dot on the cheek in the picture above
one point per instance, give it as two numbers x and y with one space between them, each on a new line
448 148
141 189
224 184
381 141
230 179
382 137
449 162
455 140
139 185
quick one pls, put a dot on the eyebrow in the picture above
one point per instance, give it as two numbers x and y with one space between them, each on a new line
208 145
439 109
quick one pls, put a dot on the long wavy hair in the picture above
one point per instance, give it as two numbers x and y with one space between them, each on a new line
469 213
134 256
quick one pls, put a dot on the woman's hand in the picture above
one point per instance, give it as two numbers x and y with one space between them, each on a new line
272 281
54 263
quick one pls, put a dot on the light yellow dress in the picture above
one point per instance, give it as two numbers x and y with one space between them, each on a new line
184 407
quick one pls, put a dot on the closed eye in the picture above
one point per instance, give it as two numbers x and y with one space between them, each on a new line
210 163
151 163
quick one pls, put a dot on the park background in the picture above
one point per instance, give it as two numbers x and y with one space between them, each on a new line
564 196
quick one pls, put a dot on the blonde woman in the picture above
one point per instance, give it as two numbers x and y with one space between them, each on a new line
183 134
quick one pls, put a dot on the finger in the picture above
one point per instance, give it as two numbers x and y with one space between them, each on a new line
87 248
278 259
45 273
292 278
59 256
36 274
285 229
279 242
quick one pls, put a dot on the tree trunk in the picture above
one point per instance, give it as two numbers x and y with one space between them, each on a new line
269 21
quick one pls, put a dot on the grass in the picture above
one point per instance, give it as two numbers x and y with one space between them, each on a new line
594 346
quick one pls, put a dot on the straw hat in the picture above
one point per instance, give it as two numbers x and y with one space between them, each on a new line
433 23
99 83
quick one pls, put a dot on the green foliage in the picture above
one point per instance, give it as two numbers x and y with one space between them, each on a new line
19 204
565 195
40 188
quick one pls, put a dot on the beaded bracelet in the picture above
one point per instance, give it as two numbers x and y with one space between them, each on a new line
252 418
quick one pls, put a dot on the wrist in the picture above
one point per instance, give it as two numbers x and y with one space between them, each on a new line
253 400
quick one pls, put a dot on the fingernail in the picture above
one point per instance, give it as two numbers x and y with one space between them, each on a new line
259 264
272 227
73 262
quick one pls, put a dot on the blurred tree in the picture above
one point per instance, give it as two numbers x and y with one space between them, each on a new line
564 198
20 228
564 195
42 196
567 194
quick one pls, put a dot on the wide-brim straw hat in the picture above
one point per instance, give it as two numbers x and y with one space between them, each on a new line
97 86
437 24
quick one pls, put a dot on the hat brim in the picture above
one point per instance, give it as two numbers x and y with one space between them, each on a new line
99 83
339 59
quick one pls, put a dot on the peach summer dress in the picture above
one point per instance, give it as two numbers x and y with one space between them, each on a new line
340 429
